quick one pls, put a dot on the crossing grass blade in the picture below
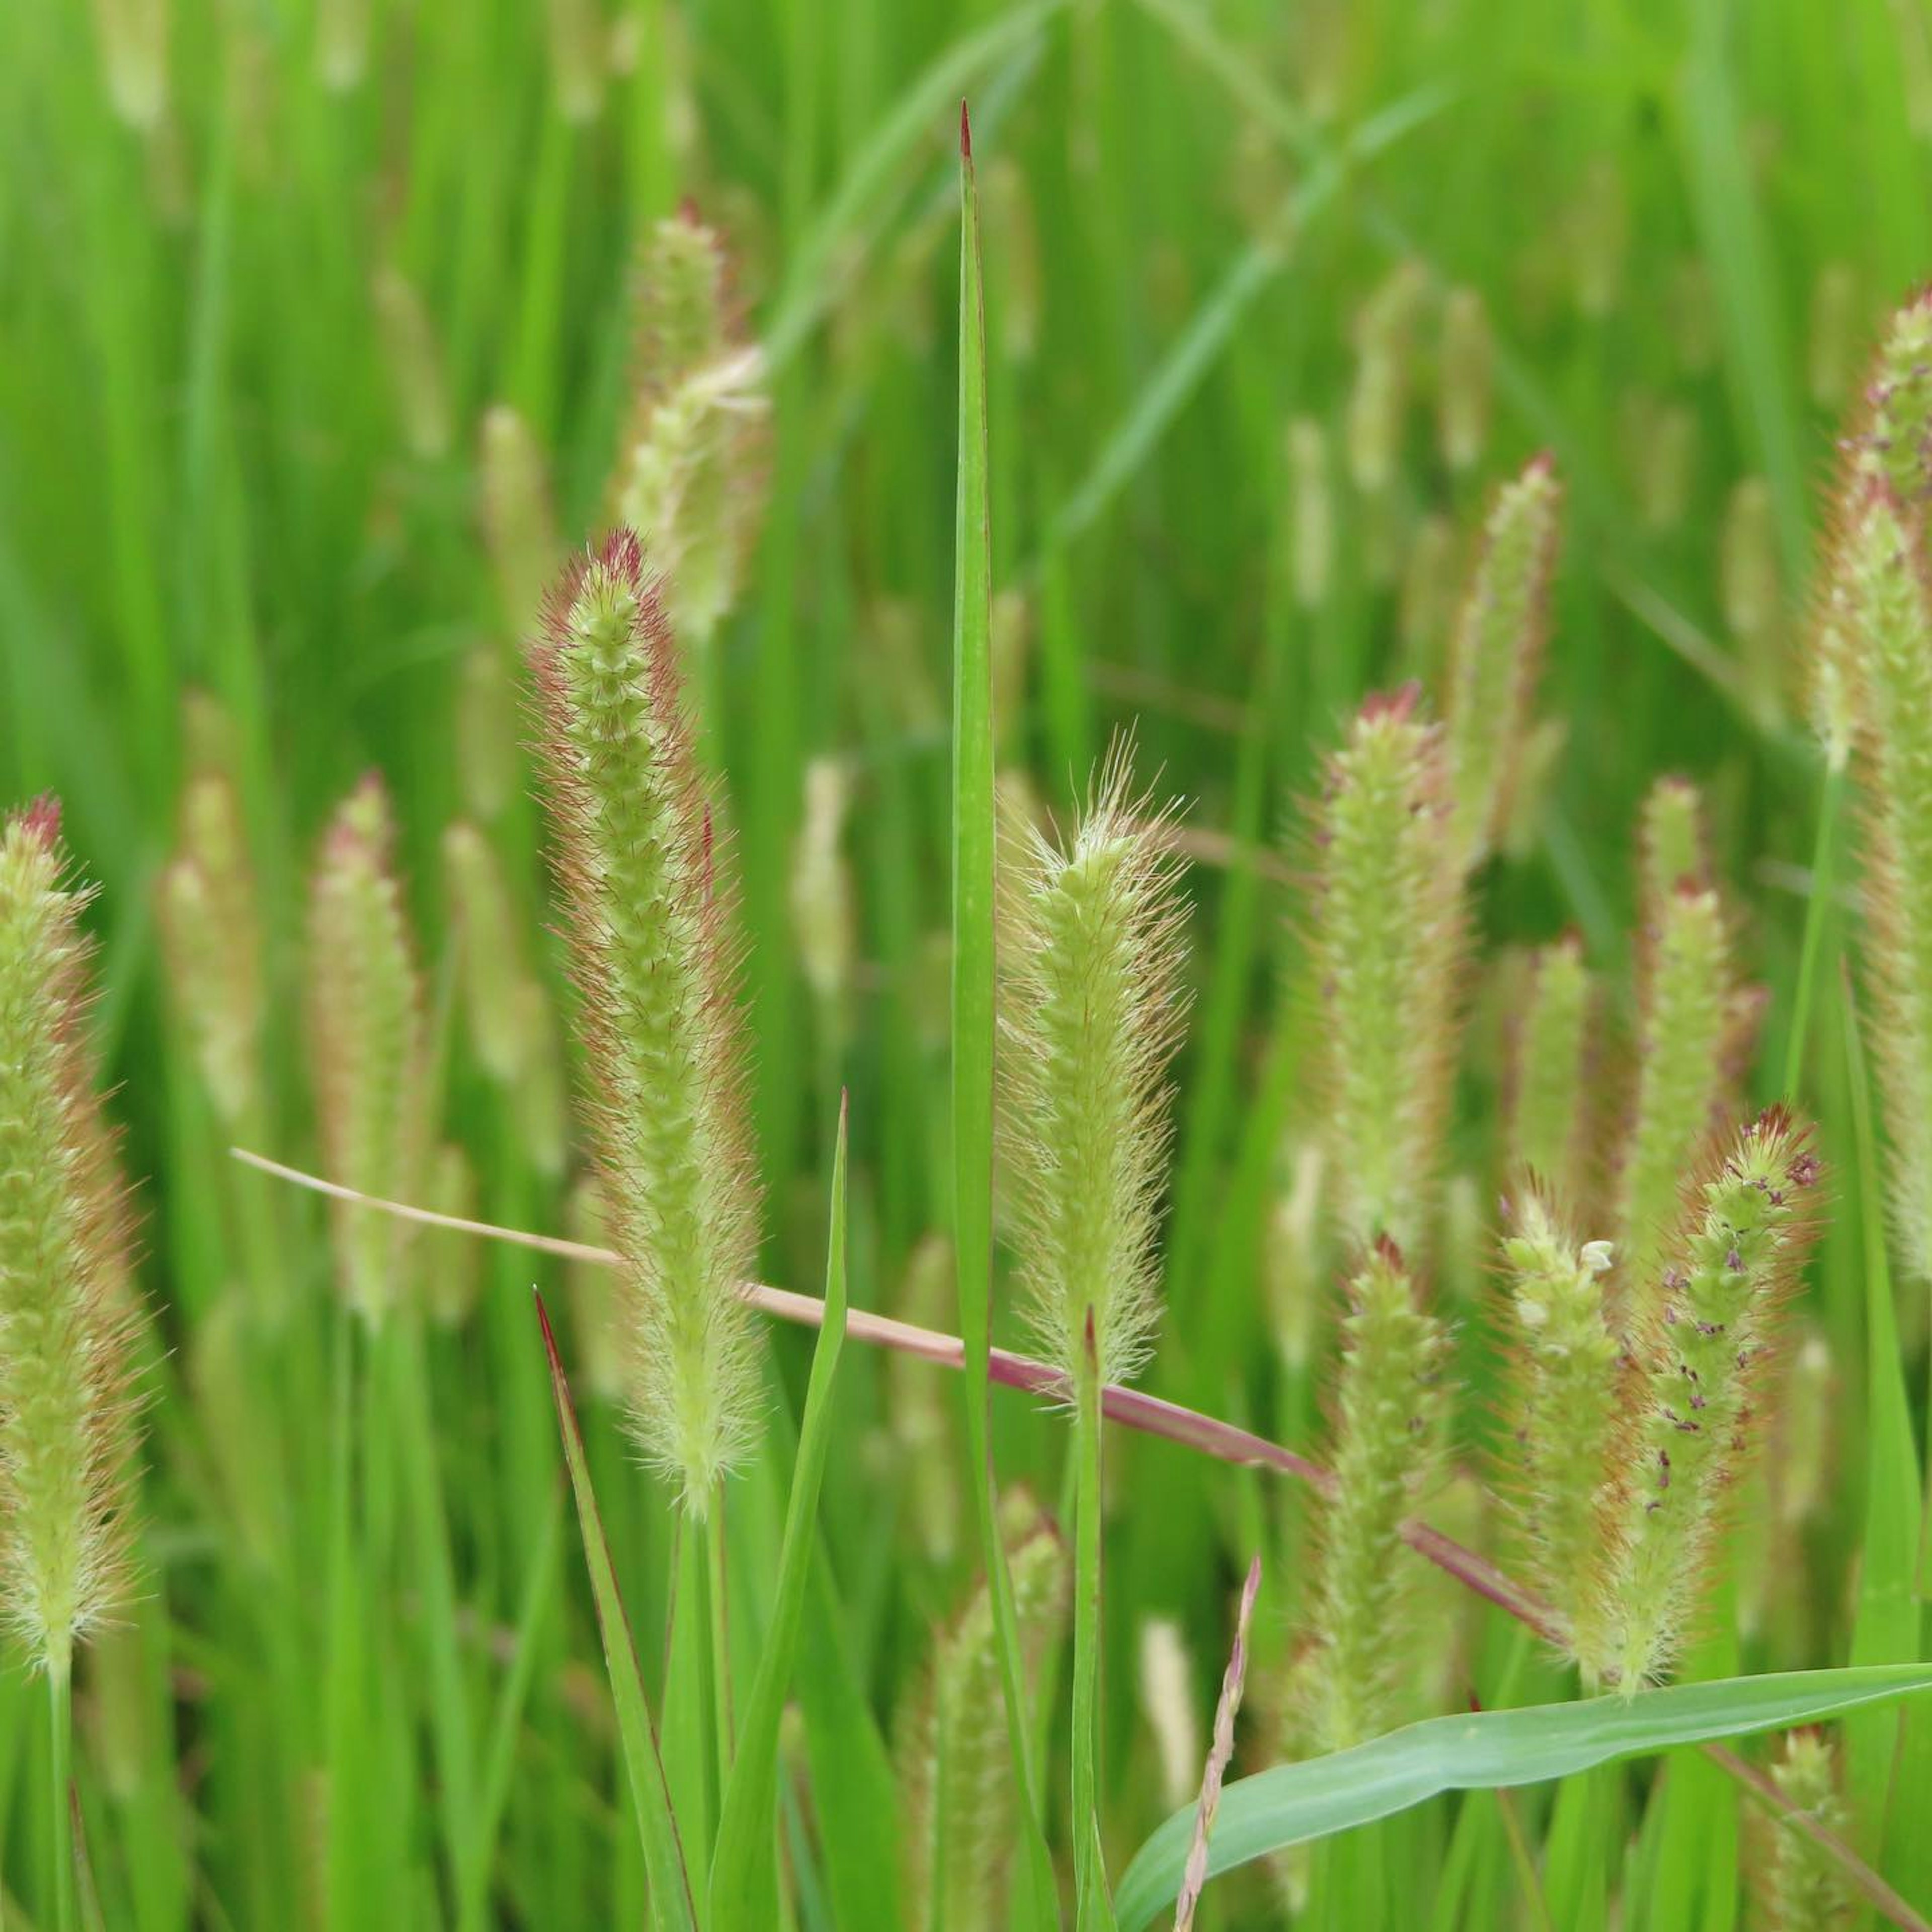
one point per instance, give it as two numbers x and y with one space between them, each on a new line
1293 1803
671 1902
973 841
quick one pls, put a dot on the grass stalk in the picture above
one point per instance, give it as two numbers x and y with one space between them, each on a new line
60 1758
1089 1861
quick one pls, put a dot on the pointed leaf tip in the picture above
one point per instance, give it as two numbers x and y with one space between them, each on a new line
965 133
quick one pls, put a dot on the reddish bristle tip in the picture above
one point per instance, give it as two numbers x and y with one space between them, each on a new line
965 133
42 819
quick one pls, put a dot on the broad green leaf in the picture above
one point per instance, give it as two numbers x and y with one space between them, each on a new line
744 1878
671 1902
1487 1751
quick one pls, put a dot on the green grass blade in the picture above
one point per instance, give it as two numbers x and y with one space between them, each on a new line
743 1877
657 1829
1034 1901
1488 1750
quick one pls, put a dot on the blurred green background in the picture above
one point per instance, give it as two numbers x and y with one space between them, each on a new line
264 267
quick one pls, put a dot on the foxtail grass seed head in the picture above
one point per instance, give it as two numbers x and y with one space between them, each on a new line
1885 596
519 527
821 885
1894 446
409 344
489 759
1672 845
1429 584
649 921
1805 1887
1538 766
1378 411
955 1764
342 44
1166 1677
1388 938
450 1264
1805 1427
1699 1348
1753 586
1292 1272
1092 950
211 941
67 1322
1691 309
1465 376
689 475
1565 1359
1832 340
1311 512
1548 1084
1496 655
577 58
1599 238
131 37
920 1420
491 954
1663 452
542 1095
368 1052
1390 1412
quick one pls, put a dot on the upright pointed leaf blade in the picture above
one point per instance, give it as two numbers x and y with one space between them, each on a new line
671 1902
743 1876
1487 1751
1034 1903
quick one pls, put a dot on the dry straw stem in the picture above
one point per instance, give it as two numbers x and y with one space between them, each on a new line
1496 654
1882 592
1564 1360
366 1039
68 1315
1388 937
689 470
1194 1878
1092 1016
656 966
1698 1356
1390 1407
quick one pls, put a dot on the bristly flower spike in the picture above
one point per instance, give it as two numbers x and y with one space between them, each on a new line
1699 1357
1388 935
1804 1886
650 919
1390 1409
1884 594
1565 1359
1549 1087
1696 1019
368 1047
1894 445
66 1318
688 477
1093 942
1496 654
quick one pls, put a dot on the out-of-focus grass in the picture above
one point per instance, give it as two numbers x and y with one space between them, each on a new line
262 269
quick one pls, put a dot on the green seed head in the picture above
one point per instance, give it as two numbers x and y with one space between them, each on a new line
1093 949
592 1287
1311 498
494 974
1696 1020
1390 1412
1469 353
1291 1270
689 471
1805 1889
1884 597
1700 1346
1550 1119
67 1316
212 940
1565 1362
407 338
954 1761
1895 445
1384 368
1497 654
368 1051
518 527
1388 938
821 885
655 965
1831 341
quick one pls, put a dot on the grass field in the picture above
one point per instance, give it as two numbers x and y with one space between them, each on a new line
331 332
